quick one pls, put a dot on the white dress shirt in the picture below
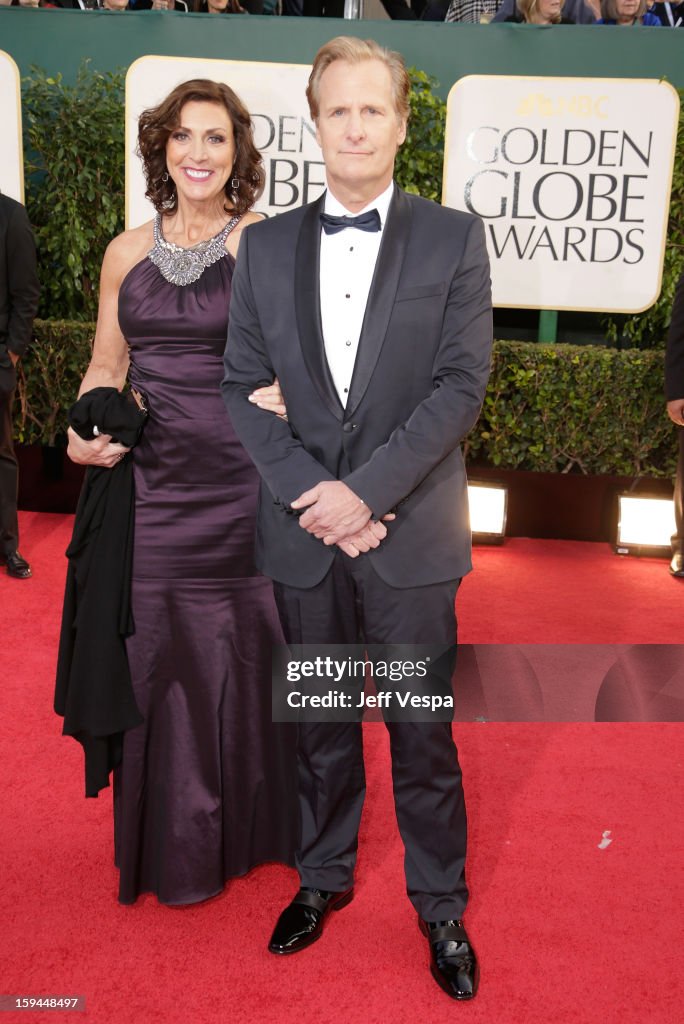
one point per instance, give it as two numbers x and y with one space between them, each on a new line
347 265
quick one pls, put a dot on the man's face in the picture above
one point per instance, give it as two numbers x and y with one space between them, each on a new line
358 128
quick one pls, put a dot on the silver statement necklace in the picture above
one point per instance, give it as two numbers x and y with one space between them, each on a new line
182 266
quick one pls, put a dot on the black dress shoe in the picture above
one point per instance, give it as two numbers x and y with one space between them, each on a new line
301 923
452 959
16 566
677 564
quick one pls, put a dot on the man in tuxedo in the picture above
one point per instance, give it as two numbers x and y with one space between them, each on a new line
373 308
18 306
674 392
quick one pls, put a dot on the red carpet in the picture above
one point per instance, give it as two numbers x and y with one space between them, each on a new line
566 931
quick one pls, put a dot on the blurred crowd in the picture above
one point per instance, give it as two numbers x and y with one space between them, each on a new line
533 12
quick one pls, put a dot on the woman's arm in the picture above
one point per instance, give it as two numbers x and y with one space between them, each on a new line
109 362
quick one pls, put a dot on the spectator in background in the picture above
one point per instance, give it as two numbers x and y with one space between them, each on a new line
88 5
472 11
578 11
229 6
540 12
51 4
216 7
400 10
670 15
19 293
468 11
179 6
397 10
77 5
314 8
626 13
674 392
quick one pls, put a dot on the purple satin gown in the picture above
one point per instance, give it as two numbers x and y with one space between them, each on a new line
207 786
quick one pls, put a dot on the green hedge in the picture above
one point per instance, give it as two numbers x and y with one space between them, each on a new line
554 408
48 379
571 408
74 145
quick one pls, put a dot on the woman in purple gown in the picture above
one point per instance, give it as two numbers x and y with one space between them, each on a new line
205 789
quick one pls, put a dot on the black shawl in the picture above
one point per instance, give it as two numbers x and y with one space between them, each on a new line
93 690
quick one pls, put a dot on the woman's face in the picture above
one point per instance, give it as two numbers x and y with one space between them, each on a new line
216 6
548 10
200 152
627 9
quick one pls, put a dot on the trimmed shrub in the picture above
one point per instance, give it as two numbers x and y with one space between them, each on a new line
570 408
74 142
48 379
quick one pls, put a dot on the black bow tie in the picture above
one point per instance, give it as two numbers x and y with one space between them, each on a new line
369 221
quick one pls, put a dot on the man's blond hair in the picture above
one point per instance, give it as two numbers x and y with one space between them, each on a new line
354 51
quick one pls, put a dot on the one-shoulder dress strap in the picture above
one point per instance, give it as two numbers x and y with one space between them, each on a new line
181 266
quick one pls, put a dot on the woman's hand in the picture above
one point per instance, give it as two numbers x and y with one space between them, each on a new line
98 452
270 399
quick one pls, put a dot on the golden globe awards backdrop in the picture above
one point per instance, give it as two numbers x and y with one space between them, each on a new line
283 132
572 178
12 162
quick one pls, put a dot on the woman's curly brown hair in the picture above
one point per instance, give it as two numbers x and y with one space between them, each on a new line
156 124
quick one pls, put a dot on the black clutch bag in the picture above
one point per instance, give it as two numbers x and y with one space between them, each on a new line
121 414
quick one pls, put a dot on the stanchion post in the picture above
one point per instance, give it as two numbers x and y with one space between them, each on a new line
548 326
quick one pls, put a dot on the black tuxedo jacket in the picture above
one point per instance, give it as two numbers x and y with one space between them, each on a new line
419 379
18 278
674 353
19 291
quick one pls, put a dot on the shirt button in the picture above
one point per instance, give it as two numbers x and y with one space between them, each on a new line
351 248
347 296
348 343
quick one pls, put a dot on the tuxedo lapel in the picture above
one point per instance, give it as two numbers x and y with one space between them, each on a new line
395 239
308 306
